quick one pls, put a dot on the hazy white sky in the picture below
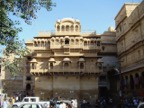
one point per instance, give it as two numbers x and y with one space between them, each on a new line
93 14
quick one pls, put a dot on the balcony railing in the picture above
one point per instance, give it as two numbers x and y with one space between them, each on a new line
59 70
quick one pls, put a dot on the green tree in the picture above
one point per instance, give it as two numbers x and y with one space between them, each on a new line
26 10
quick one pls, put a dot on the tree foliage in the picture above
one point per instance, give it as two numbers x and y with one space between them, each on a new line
26 10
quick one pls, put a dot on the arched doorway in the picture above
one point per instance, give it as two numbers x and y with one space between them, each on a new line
29 92
131 82
28 87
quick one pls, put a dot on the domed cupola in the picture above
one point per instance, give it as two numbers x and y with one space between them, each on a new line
67 25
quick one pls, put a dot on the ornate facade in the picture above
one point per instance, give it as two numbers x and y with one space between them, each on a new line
67 63
130 46
73 64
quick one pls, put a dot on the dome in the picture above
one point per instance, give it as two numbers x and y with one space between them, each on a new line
111 29
33 60
67 37
68 19
51 59
66 59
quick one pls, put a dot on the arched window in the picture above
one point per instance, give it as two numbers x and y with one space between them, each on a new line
33 65
126 82
51 66
72 42
57 41
122 83
66 65
58 28
38 44
81 65
77 41
63 28
98 43
67 28
66 41
72 28
131 82
47 44
42 44
35 44
136 80
76 28
85 43
28 87
142 80
92 43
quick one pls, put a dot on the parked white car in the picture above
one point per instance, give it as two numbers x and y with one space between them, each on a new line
26 100
29 105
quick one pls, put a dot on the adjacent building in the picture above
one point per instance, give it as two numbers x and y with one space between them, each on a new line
108 78
130 47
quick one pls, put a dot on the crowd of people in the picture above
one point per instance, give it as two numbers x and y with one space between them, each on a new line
127 102
6 102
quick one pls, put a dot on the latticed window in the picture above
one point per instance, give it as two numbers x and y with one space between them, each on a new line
81 65
33 65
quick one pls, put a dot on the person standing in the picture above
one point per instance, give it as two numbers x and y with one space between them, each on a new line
5 103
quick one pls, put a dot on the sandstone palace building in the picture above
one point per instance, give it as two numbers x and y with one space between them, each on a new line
71 63
67 62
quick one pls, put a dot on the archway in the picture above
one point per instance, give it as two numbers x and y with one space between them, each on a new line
28 87
131 82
